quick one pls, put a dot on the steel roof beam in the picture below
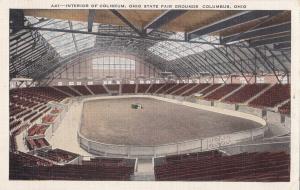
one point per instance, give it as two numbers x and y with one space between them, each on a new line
270 41
286 45
163 19
232 21
127 22
259 32
92 14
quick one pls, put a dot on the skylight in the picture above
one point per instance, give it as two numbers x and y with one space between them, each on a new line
171 50
65 43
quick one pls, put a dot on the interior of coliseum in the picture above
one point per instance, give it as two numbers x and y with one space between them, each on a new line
150 95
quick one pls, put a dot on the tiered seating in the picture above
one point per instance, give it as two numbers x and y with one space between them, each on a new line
273 96
39 169
245 93
49 118
67 90
37 129
154 88
34 144
128 88
102 161
97 89
256 166
113 87
171 90
285 108
82 90
55 111
223 91
196 89
142 88
183 89
18 159
165 88
210 89
57 155
39 94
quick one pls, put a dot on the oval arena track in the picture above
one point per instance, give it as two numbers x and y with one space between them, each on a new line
113 121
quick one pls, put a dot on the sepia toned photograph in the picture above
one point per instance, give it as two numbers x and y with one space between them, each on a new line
150 95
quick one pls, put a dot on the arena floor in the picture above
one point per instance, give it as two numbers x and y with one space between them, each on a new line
113 121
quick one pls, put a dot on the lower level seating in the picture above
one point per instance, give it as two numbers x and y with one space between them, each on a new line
245 93
196 89
154 88
113 87
128 88
57 155
185 88
273 96
165 88
285 108
265 166
223 91
24 166
97 89
142 88
82 90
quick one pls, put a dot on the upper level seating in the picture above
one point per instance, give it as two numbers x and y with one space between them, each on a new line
113 87
245 93
97 89
196 89
223 91
57 155
165 88
128 88
67 90
273 96
210 89
154 88
142 88
176 87
185 88
82 90
285 108
39 94
255 166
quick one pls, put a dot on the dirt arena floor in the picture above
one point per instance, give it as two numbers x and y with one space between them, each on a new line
113 121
